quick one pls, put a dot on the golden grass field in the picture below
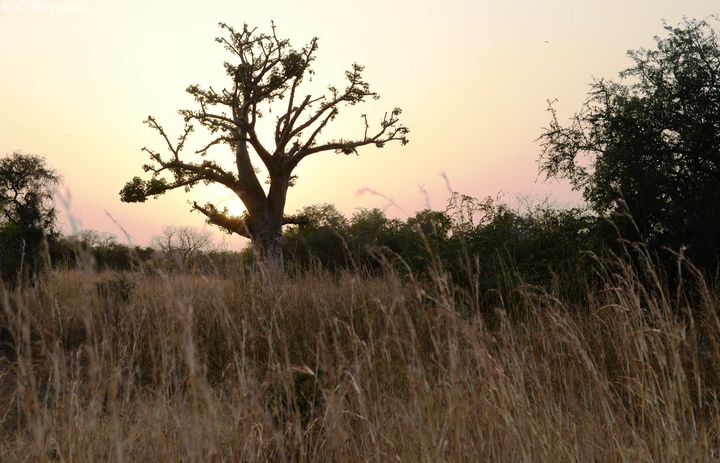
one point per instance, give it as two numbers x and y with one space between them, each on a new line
189 368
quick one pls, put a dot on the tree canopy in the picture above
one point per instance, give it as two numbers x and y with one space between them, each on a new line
28 212
649 143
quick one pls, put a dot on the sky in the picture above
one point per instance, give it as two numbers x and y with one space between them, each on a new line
473 77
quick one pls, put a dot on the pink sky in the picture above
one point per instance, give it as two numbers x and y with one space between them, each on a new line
472 78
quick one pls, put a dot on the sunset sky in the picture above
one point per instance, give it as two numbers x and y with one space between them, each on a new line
472 77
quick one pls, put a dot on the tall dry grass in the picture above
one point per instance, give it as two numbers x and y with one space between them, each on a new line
180 368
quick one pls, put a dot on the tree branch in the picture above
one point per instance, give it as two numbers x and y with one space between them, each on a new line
390 130
223 220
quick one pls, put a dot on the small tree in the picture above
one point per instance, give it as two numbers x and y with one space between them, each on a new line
650 143
94 239
28 213
182 245
264 69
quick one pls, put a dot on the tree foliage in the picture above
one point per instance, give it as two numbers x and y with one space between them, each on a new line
28 213
99 251
649 143
472 238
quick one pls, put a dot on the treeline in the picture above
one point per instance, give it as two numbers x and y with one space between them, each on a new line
97 250
484 243
473 239
174 250
470 238
478 242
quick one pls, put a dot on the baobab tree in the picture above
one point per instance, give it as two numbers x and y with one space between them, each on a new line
265 74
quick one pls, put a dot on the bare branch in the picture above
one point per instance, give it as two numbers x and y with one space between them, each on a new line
390 130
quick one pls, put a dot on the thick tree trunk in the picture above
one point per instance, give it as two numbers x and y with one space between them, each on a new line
265 214
267 233
267 248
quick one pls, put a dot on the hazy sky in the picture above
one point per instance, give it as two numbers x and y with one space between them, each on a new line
472 77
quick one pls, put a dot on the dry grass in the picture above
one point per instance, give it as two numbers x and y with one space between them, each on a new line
352 369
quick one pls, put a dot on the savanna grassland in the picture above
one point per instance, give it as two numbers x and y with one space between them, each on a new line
478 332
350 367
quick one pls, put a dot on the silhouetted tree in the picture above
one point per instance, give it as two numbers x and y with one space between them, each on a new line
28 213
263 70
321 238
650 142
182 245
79 248
94 239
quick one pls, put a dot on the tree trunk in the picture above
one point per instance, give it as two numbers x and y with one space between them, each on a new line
267 233
265 224
267 246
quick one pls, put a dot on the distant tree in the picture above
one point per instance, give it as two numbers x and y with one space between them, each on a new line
371 231
82 247
94 239
434 225
28 213
465 212
650 142
264 70
182 245
322 215
367 227
99 250
321 238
